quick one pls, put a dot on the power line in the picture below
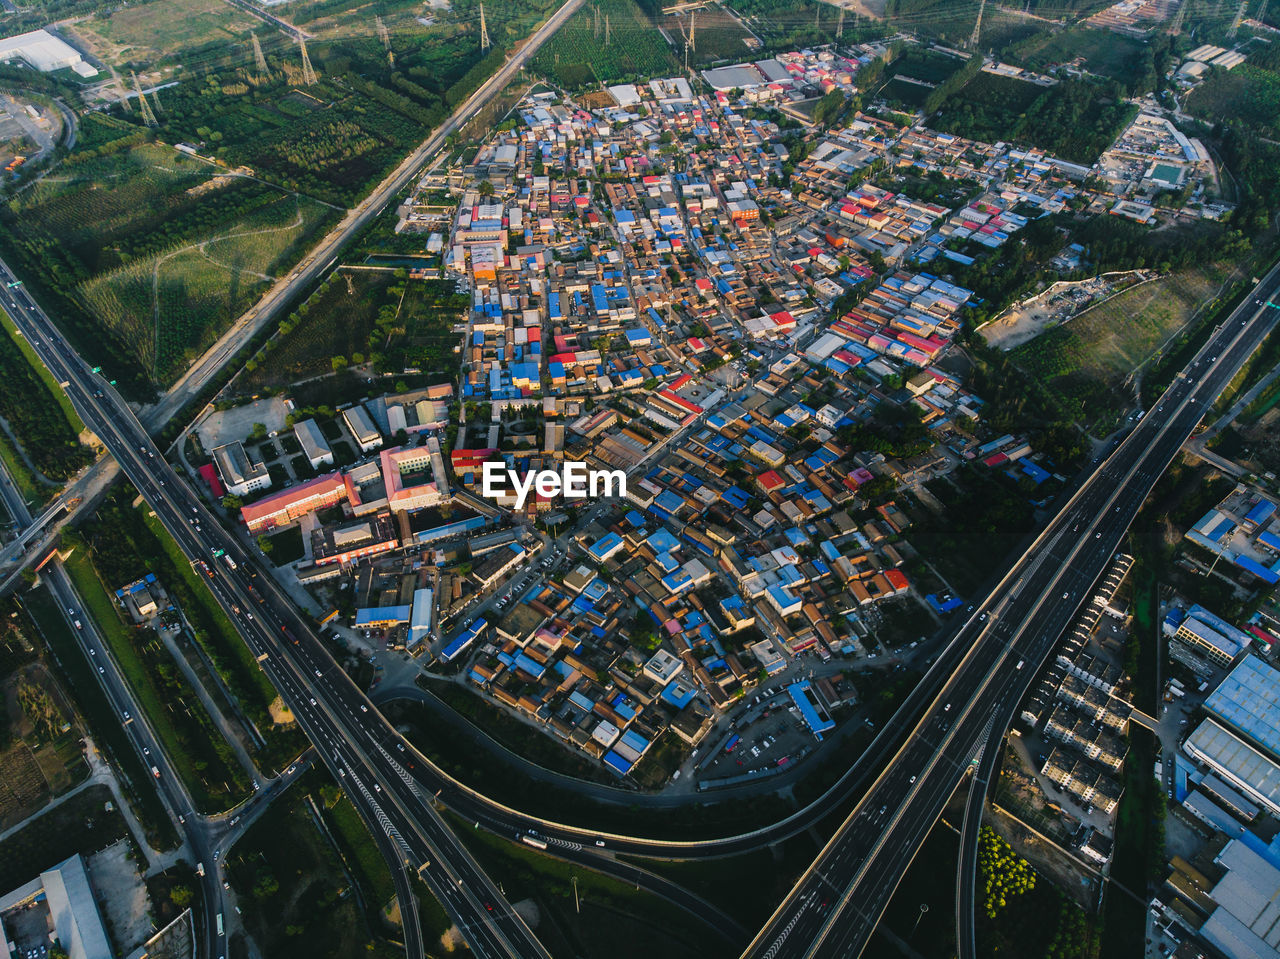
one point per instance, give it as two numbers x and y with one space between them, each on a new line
259 60
144 107
308 74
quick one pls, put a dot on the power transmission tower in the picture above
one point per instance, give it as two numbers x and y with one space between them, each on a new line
144 107
595 31
840 24
308 74
693 30
155 96
977 27
259 60
606 29
1262 12
1176 27
1235 24
484 30
385 36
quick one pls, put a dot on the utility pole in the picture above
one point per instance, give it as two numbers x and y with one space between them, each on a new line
484 30
144 107
259 60
577 906
1235 24
308 74
385 36
977 27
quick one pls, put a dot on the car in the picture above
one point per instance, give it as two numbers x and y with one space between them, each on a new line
377 787
913 778
364 708
599 842
70 611
1097 535
883 810
215 855
92 651
146 751
313 702
125 713
317 672
225 884
1066 595
488 906
400 746
101 670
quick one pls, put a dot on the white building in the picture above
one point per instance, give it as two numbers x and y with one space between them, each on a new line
314 446
240 475
42 51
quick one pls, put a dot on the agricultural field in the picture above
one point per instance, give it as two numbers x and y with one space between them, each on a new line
1086 361
395 324
718 35
149 32
172 306
22 786
924 66
151 254
79 825
1247 94
1100 52
607 41
336 320
1075 119
786 24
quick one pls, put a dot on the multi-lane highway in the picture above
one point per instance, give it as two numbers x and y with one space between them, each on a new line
835 906
329 708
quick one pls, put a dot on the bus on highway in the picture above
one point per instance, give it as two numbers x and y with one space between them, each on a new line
533 841
219 925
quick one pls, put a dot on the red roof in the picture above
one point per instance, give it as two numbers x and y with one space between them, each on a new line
897 579
210 476
770 481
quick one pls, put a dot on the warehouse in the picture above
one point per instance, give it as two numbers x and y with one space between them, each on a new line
42 51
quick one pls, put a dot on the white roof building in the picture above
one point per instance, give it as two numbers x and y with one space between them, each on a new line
69 899
43 51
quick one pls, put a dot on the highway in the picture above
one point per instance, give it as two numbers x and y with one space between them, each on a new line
328 707
834 907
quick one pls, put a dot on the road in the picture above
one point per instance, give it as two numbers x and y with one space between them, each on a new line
312 266
833 909
325 253
328 707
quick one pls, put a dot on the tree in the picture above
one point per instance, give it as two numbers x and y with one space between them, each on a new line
259 432
180 896
265 544
231 501
485 188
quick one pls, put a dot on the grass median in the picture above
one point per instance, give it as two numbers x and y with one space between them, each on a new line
195 748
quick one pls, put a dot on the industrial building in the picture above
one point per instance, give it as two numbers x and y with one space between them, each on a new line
42 51
63 893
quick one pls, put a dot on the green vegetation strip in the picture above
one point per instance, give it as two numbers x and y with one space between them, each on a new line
197 751
101 718
42 371
224 646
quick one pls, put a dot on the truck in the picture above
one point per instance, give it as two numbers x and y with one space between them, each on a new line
230 562
532 840
199 869
732 744
220 932
155 772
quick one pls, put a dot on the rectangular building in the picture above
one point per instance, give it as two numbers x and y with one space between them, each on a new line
240 475
314 446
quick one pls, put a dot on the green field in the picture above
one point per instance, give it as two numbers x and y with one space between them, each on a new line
293 888
153 256
162 29
717 35
1074 120
396 324
584 52
1247 94
1102 52
1086 360
172 306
